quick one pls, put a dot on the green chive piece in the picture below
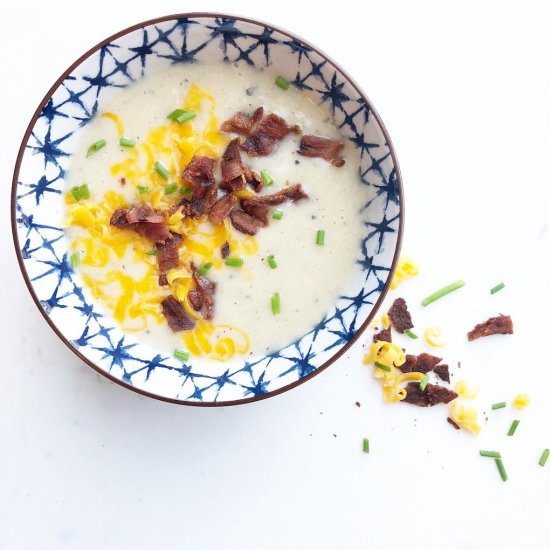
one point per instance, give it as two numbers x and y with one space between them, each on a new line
169 189
501 470
381 366
234 262
320 238
204 269
500 405
276 304
442 292
490 454
175 114
282 83
410 333
277 214
424 382
266 178
152 252
185 116
142 189
366 446
74 259
95 147
495 289
181 355
271 261
161 170
75 192
125 142
185 190
84 191
544 457
513 427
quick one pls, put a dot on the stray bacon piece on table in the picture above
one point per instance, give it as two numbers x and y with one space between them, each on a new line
144 220
443 372
175 315
325 148
495 325
399 316
453 423
384 335
168 256
432 395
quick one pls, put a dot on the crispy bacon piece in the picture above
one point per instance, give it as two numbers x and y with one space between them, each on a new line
245 223
432 395
195 299
494 325
443 372
384 335
222 208
322 147
168 256
292 192
241 123
399 316
453 423
262 139
232 167
175 315
224 250
200 174
420 363
144 221
258 211
205 288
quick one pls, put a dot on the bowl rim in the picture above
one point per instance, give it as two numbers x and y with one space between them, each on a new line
292 36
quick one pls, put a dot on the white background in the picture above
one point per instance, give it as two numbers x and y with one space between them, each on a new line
464 89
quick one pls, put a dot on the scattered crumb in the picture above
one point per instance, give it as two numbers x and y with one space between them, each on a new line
357 404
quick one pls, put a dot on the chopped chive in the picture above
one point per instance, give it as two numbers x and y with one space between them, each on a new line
80 192
282 83
175 114
169 189
125 142
161 170
271 261
495 289
142 189
276 304
181 355
277 214
266 178
381 366
424 382
74 259
442 292
185 116
410 333
501 470
234 262
95 147
152 252
544 457
320 238
75 192
490 454
366 446
185 190
513 427
500 405
204 269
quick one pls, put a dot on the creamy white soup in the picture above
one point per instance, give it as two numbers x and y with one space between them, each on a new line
305 256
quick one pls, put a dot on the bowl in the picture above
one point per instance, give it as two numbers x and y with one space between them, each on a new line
38 206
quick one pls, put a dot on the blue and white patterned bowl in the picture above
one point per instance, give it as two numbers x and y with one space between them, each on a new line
38 206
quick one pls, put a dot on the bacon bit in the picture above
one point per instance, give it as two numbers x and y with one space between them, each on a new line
241 123
322 147
384 335
245 223
453 423
263 138
224 251
495 325
399 316
142 219
443 372
258 211
222 208
420 363
206 288
122 181
168 257
432 395
293 193
195 299
200 174
175 315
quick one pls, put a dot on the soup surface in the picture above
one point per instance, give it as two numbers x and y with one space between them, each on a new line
119 267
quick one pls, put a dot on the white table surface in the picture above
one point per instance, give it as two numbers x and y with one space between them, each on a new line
86 464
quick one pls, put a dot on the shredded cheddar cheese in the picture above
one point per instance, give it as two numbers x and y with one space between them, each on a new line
385 320
464 391
465 417
406 269
434 337
521 401
135 300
